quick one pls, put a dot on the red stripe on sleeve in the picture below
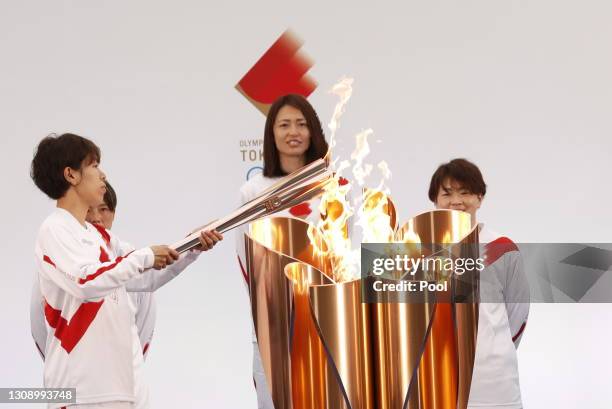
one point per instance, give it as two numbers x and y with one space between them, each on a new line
70 333
497 248
100 271
145 349
48 260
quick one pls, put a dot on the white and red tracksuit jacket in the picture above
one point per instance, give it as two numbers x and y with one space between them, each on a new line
503 312
84 272
144 302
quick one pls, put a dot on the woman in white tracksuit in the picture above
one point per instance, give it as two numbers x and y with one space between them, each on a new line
144 302
85 273
504 291
293 138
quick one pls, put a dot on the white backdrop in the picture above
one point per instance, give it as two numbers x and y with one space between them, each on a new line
521 88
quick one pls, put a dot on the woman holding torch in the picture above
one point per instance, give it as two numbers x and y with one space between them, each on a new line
84 272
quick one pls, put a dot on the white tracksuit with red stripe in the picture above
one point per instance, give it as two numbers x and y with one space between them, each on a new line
503 312
84 272
146 311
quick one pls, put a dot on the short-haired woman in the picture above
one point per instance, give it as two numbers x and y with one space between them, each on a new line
504 290
83 272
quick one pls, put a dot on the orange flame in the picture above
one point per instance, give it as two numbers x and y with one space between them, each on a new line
335 212
374 212
375 218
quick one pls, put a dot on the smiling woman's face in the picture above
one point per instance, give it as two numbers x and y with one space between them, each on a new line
453 195
291 133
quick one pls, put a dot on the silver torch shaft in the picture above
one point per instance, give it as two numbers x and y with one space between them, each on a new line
299 186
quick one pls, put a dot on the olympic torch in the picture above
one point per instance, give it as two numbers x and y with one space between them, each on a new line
299 186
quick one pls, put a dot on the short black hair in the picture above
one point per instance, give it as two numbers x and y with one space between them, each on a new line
110 197
318 145
460 170
54 154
